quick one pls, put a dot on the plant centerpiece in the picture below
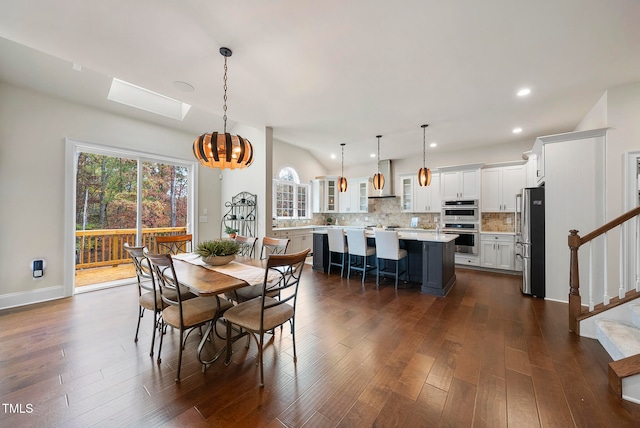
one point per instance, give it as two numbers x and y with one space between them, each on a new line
217 252
231 232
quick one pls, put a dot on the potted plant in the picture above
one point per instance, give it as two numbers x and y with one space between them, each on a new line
217 252
329 221
231 232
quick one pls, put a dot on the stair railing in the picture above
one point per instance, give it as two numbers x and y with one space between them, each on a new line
575 242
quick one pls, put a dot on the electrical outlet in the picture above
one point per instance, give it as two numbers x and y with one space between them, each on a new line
508 220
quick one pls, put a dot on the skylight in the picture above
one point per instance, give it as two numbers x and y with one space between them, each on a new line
134 96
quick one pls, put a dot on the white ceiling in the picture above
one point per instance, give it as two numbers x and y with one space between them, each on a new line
326 72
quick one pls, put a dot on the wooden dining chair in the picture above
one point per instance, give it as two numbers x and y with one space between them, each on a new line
247 245
173 244
184 315
273 246
147 296
264 313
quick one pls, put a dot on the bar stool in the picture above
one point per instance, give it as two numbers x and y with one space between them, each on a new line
358 247
337 245
388 248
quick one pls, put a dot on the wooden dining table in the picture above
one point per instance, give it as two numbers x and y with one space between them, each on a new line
205 282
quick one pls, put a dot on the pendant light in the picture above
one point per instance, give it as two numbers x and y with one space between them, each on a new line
342 181
424 173
378 179
224 150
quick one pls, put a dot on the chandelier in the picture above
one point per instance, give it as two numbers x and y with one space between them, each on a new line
223 150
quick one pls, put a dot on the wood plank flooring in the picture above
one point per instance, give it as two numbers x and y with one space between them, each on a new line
484 356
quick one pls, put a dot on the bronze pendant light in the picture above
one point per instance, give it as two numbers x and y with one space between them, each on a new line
342 181
424 173
224 150
378 179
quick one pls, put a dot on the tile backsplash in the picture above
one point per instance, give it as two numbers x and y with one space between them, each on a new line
497 222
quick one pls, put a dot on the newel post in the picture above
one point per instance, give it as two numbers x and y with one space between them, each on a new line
575 301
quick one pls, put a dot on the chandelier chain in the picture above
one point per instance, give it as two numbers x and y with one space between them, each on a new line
224 108
424 138
378 155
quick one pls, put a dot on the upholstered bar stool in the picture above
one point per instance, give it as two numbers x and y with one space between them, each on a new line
337 245
388 248
359 249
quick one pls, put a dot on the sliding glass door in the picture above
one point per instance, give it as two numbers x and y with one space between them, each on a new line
124 197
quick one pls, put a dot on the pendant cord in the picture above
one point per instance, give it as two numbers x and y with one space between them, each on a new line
424 156
224 108
378 155
343 160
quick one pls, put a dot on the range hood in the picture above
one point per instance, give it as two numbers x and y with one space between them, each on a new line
387 190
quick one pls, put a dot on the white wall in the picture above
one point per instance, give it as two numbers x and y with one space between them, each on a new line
33 128
596 118
287 155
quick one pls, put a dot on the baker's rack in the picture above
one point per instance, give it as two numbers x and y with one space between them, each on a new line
241 215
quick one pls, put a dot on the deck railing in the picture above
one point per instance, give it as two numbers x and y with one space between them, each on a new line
105 247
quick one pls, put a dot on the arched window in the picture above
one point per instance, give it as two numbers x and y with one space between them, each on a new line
292 198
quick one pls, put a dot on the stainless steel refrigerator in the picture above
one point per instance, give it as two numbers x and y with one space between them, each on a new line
530 240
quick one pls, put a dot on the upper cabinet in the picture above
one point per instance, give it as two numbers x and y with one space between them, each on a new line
418 199
460 182
325 195
355 199
500 184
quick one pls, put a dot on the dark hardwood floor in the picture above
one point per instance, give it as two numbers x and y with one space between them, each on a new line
484 356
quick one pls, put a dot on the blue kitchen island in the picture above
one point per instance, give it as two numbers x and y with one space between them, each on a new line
431 259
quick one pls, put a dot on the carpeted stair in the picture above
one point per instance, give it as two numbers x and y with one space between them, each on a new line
621 340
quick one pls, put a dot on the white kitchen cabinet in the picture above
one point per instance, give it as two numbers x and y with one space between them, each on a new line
418 199
497 251
325 195
299 239
500 184
355 199
460 183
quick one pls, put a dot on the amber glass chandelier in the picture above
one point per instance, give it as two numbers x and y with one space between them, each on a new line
342 181
424 173
378 179
223 150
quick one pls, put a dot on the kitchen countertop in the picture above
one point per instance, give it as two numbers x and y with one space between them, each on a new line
497 233
412 236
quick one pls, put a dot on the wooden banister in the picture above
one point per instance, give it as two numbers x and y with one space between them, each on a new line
607 227
575 242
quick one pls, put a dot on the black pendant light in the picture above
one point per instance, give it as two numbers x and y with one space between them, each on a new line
342 181
378 179
224 150
424 173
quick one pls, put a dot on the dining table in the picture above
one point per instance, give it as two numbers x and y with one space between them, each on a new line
206 280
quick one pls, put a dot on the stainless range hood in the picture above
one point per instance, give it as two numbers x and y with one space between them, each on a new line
387 190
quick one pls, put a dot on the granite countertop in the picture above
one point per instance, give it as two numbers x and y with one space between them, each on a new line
311 226
413 235
497 233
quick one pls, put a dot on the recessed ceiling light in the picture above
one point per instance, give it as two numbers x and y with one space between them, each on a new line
373 155
517 130
183 86
524 92
333 156
433 145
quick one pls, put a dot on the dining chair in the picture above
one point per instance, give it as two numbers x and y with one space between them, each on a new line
179 313
264 313
173 244
247 245
359 249
388 248
273 246
337 245
147 296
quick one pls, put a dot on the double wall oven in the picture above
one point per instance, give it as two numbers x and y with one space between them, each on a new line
461 217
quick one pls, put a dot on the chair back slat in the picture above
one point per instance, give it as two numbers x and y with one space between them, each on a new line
174 244
273 246
247 245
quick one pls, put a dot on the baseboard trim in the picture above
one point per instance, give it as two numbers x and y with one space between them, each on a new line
23 298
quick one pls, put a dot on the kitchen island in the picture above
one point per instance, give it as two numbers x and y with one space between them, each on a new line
431 258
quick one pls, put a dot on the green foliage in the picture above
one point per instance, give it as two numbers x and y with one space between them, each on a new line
230 230
217 247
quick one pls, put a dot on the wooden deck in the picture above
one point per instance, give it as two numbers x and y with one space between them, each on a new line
97 275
